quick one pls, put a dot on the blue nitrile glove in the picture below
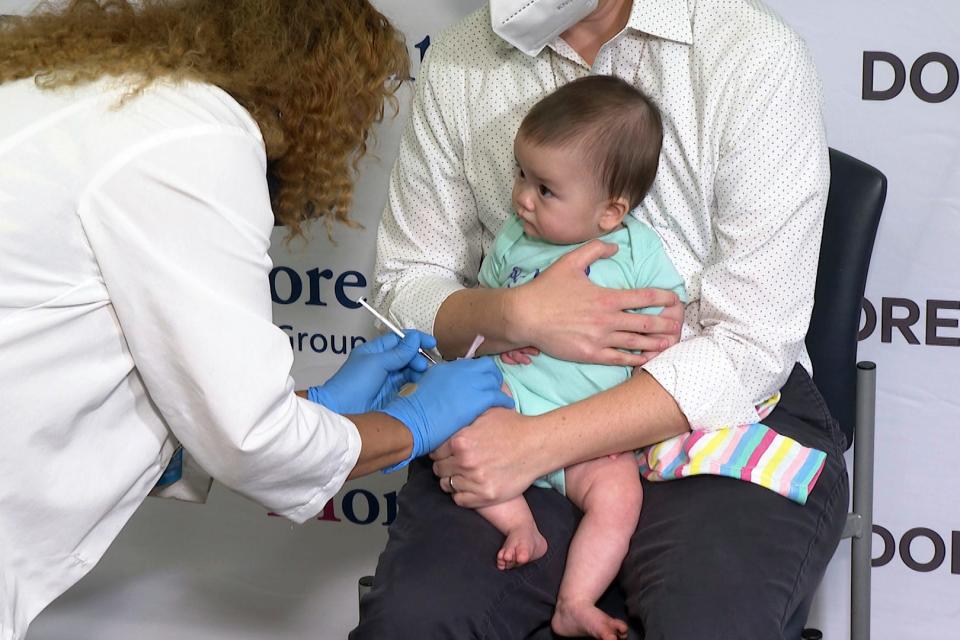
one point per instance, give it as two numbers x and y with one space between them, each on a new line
373 373
448 397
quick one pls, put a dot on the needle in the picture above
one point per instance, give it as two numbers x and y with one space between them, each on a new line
393 328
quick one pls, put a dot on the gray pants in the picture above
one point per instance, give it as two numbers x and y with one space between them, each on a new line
712 557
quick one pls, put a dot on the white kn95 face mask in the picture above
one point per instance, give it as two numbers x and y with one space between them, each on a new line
530 25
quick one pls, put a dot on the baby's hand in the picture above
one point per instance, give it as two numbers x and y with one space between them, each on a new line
519 356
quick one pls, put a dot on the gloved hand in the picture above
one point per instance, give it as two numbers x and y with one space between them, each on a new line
448 397
373 373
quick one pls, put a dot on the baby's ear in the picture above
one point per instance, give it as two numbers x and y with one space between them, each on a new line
613 215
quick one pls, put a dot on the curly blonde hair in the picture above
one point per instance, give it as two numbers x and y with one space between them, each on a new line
314 74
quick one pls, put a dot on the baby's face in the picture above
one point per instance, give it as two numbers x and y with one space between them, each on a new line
556 195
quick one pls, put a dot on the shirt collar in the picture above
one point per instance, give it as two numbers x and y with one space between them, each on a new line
667 19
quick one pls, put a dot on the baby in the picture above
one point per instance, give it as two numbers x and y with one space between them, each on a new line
586 155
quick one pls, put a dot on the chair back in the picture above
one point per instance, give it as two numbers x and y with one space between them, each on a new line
854 205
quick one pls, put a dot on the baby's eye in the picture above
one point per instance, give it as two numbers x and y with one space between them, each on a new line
520 173
545 192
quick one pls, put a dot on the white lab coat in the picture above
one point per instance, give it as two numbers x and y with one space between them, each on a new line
135 306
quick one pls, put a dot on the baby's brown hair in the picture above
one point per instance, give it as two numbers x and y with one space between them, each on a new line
615 125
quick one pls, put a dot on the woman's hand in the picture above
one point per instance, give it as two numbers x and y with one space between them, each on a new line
490 461
596 325
449 396
373 373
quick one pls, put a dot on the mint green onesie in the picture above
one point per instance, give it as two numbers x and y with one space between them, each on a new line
548 383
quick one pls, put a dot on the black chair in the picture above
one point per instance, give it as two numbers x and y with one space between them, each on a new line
854 204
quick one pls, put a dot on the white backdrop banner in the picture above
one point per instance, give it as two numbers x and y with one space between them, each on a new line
228 570
890 77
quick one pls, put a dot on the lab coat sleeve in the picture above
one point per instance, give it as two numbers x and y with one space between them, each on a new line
180 226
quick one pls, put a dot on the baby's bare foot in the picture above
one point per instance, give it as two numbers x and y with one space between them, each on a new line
523 545
584 619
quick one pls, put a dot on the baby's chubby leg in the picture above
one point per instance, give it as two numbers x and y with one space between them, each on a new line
513 519
609 493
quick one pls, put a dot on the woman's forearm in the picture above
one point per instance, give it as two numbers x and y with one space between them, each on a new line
385 441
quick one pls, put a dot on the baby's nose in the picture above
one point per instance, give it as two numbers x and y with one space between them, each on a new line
523 200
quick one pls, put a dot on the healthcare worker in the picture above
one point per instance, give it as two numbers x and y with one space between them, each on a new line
135 309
